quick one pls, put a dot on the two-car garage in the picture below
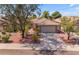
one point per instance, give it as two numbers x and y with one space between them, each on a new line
48 29
47 25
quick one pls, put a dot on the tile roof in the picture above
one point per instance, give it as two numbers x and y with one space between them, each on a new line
45 21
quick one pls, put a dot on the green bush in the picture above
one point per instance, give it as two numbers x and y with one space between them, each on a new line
35 38
5 38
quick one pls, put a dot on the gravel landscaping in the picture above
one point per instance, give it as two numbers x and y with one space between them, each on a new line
50 44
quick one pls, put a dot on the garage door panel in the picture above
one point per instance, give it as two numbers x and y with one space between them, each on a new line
48 29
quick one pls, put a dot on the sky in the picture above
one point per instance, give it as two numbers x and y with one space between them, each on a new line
64 9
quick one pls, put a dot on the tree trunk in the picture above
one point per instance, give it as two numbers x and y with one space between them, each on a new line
68 35
22 26
23 33
23 30
15 30
14 26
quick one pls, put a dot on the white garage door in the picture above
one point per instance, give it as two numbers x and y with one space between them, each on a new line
48 29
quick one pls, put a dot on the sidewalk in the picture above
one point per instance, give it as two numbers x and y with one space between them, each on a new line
14 46
72 48
28 47
23 49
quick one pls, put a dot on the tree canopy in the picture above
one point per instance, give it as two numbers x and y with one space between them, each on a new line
55 15
52 16
18 14
67 25
33 17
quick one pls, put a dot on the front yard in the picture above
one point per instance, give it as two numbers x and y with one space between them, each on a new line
50 43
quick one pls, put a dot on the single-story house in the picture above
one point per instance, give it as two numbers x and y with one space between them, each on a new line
77 23
3 24
47 25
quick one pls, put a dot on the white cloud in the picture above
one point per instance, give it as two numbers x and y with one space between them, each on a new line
72 5
70 13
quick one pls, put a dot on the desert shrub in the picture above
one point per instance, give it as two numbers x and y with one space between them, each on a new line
35 38
27 28
3 33
5 37
37 29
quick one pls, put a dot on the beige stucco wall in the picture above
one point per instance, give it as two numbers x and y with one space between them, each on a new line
1 28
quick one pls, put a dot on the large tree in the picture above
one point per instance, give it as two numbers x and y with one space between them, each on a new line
18 14
68 25
56 14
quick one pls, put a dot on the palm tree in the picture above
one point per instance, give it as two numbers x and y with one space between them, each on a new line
45 14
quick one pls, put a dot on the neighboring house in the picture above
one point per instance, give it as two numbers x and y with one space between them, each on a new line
1 27
3 24
77 23
47 25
